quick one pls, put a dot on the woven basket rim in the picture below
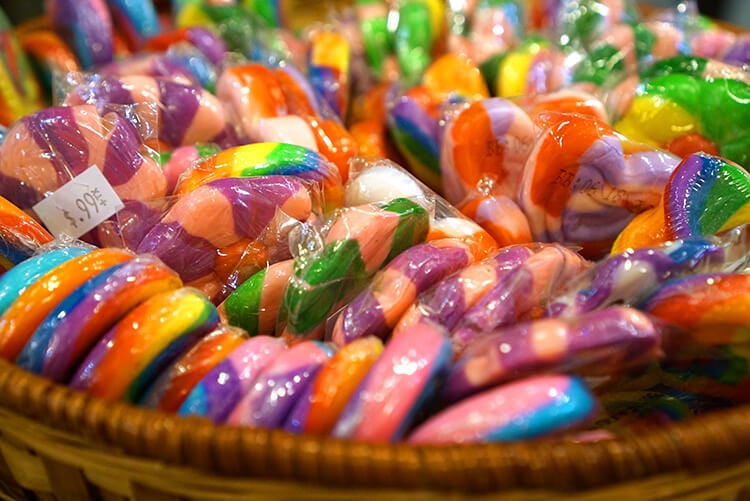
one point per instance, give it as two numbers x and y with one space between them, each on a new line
702 443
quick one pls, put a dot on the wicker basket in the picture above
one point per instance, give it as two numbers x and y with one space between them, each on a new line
56 443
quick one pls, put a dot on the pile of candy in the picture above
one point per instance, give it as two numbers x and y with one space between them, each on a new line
461 222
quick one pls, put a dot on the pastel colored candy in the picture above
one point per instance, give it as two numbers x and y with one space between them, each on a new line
64 338
599 343
224 386
448 300
381 181
521 410
137 20
398 385
518 294
219 214
86 26
628 277
255 304
450 225
705 195
376 310
263 159
184 65
16 280
360 241
180 113
583 182
20 234
567 100
173 385
19 90
490 138
127 358
280 385
500 216
334 386
738 53
328 69
22 318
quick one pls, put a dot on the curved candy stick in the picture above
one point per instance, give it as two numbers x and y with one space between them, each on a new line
49 53
522 410
376 310
224 386
16 280
491 138
336 383
22 318
705 195
77 323
86 26
280 385
447 302
360 241
583 182
255 304
398 385
220 214
599 343
137 20
263 159
175 383
20 235
127 358
519 293
500 216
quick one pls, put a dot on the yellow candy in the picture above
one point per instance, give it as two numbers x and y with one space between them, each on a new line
657 121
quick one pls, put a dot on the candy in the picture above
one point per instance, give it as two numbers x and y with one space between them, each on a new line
382 181
19 91
174 384
219 214
255 304
334 386
496 26
400 382
22 318
76 324
600 343
705 195
420 24
20 235
464 229
454 78
582 22
86 25
500 216
205 40
177 161
525 409
359 242
373 25
376 310
583 182
152 335
224 386
328 69
16 280
519 293
490 138
280 385
50 55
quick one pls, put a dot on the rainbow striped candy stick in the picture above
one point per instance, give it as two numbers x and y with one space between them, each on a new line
602 342
400 383
328 69
20 234
19 91
19 278
219 214
264 159
280 385
86 25
705 195
22 318
64 338
334 386
377 309
255 304
128 357
519 293
521 410
224 386
360 241
491 138
137 20
49 55
174 384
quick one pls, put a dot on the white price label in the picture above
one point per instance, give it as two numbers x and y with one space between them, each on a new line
79 205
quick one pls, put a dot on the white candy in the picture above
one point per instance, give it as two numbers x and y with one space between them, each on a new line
382 183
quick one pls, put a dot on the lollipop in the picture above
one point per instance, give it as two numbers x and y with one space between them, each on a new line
224 386
328 69
500 216
143 343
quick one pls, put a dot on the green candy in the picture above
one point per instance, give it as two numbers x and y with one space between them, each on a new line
413 39
243 305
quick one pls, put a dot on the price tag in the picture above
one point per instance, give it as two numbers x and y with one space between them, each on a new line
79 205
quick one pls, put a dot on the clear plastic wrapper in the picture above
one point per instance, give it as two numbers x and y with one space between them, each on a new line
485 28
20 234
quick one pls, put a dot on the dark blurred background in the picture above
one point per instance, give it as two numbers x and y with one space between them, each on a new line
733 11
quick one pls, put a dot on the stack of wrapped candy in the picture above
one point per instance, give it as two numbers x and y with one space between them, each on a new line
409 220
